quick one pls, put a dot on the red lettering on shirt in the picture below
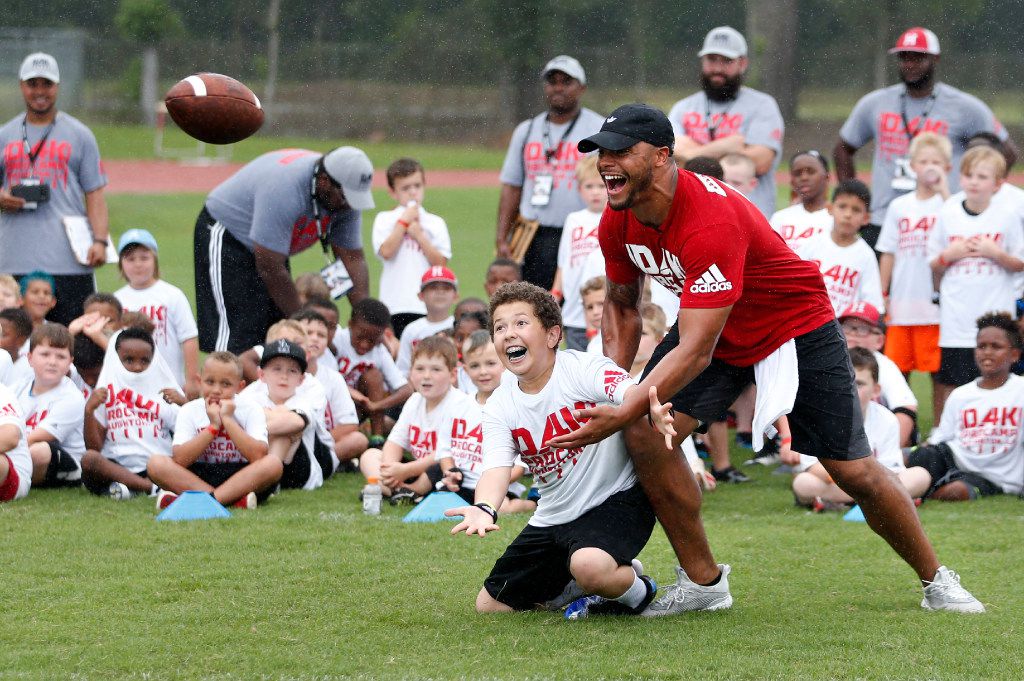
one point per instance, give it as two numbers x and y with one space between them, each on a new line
35 419
50 167
893 139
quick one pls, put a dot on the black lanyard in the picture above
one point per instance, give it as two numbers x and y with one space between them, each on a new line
39 147
322 234
721 117
549 151
922 118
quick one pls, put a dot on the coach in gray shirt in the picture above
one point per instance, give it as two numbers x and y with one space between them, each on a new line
279 204
726 117
538 178
46 150
893 116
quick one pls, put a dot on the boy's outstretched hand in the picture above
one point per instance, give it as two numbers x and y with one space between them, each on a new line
475 521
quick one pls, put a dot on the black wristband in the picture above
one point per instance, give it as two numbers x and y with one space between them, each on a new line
487 508
105 242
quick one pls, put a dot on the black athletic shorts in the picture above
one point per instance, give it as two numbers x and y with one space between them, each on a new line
297 472
957 366
940 463
63 470
101 486
233 307
826 416
535 566
541 258
400 320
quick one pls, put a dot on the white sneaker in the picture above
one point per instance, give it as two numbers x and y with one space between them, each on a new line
945 593
118 491
686 596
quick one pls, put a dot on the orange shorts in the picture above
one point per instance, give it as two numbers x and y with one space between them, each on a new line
914 347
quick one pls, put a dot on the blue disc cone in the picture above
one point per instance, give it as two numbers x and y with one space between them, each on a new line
433 506
193 505
855 515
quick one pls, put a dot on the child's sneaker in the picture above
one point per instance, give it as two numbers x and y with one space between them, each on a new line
686 596
248 501
403 495
118 491
820 505
945 593
598 605
164 499
729 474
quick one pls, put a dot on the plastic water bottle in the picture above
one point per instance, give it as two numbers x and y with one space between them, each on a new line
372 497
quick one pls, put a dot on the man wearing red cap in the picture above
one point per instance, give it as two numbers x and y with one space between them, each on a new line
894 115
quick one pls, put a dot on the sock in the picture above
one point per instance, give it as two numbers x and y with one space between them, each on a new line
714 581
635 594
153 490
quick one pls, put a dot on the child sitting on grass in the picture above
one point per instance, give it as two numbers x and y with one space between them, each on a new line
37 296
101 317
15 461
813 487
220 443
15 330
592 518
127 419
54 409
438 290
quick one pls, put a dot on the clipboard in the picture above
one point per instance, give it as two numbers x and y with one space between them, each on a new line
80 237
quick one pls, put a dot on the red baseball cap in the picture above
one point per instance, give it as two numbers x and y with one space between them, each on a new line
866 312
439 273
917 39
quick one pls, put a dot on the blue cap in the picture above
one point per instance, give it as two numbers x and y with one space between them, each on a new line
137 236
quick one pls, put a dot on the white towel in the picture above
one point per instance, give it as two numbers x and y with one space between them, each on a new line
777 381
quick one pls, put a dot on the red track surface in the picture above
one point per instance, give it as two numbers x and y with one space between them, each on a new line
166 177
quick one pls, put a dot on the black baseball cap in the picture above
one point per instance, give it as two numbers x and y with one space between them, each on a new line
283 348
629 124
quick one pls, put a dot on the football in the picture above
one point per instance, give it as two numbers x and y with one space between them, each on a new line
214 108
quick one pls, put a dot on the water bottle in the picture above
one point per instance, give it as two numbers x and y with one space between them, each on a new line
372 497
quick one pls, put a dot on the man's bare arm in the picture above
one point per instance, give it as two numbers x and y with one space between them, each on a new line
621 325
354 261
272 269
842 154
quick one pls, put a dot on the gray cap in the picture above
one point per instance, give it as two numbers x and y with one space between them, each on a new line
726 41
39 65
351 168
567 65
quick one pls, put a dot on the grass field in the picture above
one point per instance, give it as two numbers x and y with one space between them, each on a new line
308 587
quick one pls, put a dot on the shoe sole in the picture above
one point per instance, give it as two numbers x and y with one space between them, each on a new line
724 604
970 609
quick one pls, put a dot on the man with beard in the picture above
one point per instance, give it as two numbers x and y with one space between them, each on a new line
893 116
744 297
727 118
538 177
50 171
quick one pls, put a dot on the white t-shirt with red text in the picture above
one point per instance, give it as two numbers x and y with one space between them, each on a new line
908 222
850 272
795 224
352 365
171 314
137 419
571 482
310 405
973 286
59 411
11 414
192 420
983 428
414 332
579 240
400 275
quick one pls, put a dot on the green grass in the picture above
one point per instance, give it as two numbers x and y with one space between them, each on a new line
308 587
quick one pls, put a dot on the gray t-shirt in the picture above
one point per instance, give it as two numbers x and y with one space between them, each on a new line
753 114
268 202
878 116
69 162
527 160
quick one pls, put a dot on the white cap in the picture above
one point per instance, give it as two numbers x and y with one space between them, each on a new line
39 65
567 65
917 39
726 41
352 169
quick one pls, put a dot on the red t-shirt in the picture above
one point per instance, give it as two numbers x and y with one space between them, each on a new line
716 249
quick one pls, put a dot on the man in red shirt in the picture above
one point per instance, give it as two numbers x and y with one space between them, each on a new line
743 296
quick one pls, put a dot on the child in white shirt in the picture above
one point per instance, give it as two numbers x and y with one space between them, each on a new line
408 240
15 461
593 293
848 265
809 216
54 410
175 331
220 443
579 240
439 288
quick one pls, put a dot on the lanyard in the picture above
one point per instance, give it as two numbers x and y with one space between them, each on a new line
721 117
549 151
322 234
39 147
911 133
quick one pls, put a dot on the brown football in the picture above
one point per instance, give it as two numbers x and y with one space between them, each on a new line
214 108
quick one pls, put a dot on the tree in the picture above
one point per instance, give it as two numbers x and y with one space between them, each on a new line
147 23
771 36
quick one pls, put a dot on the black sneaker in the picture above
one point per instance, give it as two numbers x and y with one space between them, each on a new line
729 474
598 605
403 495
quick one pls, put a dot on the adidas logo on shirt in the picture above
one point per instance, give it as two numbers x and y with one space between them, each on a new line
712 281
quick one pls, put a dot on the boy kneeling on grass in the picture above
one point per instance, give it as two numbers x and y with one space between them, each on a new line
593 518
220 443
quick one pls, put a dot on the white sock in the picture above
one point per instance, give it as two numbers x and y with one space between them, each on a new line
635 594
